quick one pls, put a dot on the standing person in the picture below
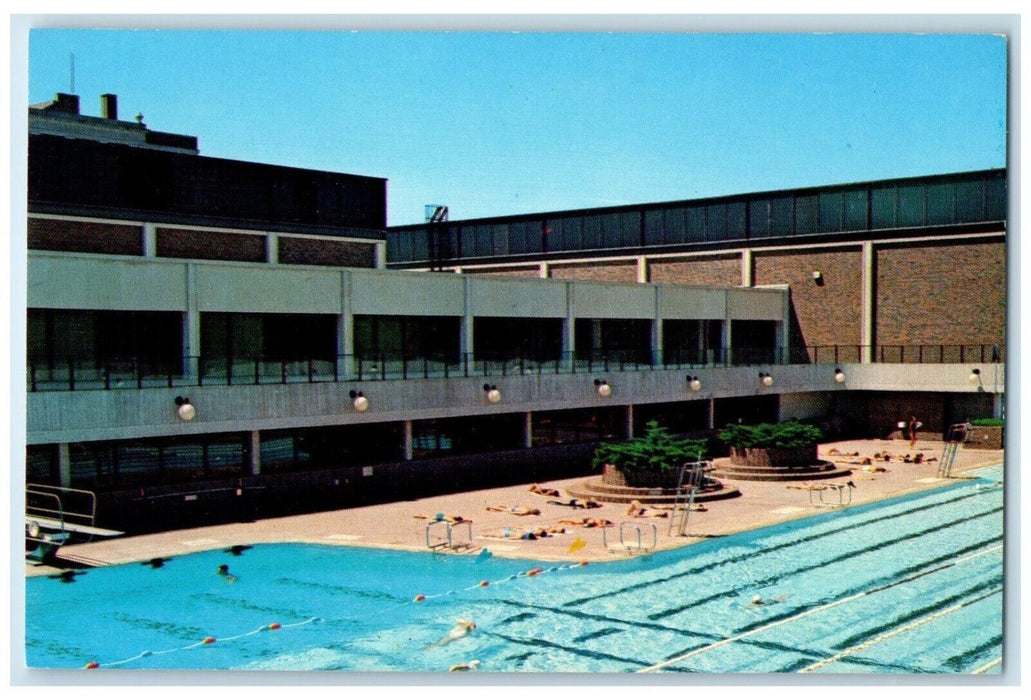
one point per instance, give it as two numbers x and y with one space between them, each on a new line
913 425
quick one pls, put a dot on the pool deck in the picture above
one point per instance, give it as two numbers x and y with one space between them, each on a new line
396 525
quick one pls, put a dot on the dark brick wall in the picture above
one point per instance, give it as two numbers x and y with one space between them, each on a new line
309 251
823 314
534 271
939 292
84 237
624 271
209 245
722 271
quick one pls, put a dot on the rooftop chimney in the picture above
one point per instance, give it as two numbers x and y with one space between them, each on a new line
109 106
64 102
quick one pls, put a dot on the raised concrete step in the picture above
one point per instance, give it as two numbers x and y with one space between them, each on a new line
595 490
725 469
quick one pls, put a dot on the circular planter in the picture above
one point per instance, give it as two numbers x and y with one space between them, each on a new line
774 456
639 479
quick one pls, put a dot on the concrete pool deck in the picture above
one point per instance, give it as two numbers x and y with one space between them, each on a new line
397 525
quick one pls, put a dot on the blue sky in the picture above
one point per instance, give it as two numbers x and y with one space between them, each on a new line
504 123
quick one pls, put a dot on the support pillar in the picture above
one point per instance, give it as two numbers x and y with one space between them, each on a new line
466 347
150 241
346 365
528 430
747 268
255 452
712 414
64 464
869 283
272 249
657 350
630 421
406 440
191 326
544 270
642 269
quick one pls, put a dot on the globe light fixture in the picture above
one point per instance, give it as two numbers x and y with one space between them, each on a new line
602 387
184 409
694 383
492 392
839 375
766 379
359 401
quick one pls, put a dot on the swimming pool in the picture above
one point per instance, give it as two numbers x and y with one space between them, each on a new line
911 585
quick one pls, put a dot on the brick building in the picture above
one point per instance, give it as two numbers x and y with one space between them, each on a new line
211 339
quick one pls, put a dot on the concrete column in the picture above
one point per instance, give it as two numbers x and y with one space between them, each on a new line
642 269
544 270
150 241
657 352
255 450
465 342
272 248
64 464
406 440
712 414
191 327
569 331
869 284
528 430
747 268
380 255
727 338
345 329
630 421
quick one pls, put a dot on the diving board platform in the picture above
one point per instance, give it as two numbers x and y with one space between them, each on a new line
57 515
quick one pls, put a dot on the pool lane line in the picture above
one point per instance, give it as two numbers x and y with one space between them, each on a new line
845 556
807 613
987 667
418 599
849 528
204 642
897 631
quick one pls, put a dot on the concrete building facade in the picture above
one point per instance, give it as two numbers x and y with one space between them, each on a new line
212 340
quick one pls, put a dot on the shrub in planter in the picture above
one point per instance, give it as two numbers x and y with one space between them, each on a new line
772 444
653 459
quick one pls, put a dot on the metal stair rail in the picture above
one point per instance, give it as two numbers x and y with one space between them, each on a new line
639 545
689 480
957 435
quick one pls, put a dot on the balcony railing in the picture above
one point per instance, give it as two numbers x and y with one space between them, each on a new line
134 373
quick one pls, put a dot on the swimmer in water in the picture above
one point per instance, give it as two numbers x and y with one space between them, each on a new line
223 570
471 666
461 629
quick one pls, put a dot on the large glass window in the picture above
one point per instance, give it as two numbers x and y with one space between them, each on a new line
995 189
911 206
831 210
969 202
535 339
856 203
716 222
613 340
882 207
939 204
807 214
407 337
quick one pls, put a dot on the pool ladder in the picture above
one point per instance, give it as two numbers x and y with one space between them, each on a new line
689 480
638 545
449 534
953 443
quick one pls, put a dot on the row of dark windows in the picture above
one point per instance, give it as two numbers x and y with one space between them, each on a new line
83 173
979 198
155 337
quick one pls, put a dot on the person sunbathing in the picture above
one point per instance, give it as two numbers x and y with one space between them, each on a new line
639 511
515 510
577 503
441 517
586 522
537 488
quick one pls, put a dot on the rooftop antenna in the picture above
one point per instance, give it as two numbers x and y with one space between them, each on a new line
71 89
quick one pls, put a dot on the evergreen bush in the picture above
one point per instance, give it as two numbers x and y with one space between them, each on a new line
789 434
657 450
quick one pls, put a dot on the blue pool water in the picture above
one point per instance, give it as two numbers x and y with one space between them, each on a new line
912 585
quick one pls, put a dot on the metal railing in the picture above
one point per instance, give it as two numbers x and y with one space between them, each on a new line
134 373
